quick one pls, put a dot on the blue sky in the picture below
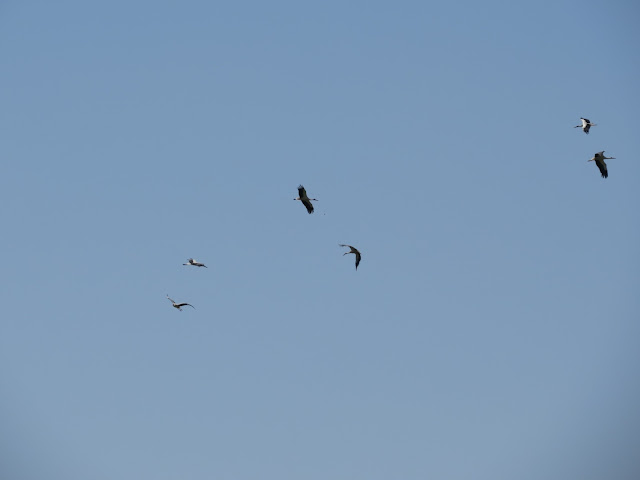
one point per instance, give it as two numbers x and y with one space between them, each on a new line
491 329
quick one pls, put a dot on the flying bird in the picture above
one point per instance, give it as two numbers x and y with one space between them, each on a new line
180 305
586 125
191 261
306 201
599 158
353 250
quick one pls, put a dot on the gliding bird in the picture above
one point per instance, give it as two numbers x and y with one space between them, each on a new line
191 261
599 158
306 201
353 250
586 125
180 305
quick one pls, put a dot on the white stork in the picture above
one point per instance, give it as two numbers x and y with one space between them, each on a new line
180 305
599 158
353 250
586 125
306 201
191 261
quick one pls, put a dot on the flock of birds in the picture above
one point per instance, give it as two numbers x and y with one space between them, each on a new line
599 157
585 125
306 201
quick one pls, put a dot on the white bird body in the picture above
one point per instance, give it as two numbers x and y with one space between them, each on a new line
599 158
585 125
306 201
192 262
353 250
180 305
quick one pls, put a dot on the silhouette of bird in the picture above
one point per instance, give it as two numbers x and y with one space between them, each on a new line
191 261
180 305
599 158
353 250
306 201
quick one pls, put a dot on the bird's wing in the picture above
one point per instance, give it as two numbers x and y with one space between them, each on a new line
602 167
302 192
307 203
586 128
358 257
187 304
342 245
585 121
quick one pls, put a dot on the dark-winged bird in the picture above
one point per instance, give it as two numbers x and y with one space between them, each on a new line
353 250
599 158
586 125
180 305
306 201
191 261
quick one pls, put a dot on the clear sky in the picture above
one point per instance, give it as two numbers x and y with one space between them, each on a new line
491 330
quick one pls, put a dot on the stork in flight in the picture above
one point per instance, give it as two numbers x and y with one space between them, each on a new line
306 201
586 125
599 158
191 261
180 305
353 250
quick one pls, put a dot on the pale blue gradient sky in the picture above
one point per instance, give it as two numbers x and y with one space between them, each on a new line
491 331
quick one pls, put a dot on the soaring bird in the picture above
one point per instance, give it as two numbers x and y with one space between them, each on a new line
191 261
306 201
180 305
586 125
599 158
353 250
